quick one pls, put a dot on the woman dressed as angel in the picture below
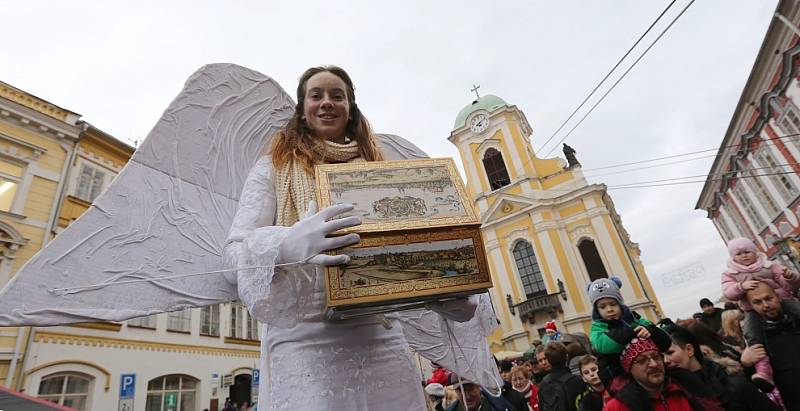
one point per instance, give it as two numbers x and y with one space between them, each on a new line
308 363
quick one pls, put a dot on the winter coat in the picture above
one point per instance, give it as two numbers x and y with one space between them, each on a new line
488 403
590 400
558 383
713 321
733 391
782 341
513 397
770 274
610 336
683 391
532 398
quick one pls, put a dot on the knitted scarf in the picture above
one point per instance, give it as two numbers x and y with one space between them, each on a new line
295 188
760 264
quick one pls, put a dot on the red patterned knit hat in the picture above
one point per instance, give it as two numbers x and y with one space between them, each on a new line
634 348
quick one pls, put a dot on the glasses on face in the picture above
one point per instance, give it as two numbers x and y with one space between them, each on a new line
645 359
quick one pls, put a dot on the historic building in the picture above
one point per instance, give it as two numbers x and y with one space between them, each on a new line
548 232
753 189
52 166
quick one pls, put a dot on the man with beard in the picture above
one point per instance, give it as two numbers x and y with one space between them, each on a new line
781 340
646 386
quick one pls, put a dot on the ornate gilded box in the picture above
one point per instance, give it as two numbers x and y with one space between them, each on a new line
420 236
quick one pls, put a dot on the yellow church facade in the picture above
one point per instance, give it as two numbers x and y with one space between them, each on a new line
547 232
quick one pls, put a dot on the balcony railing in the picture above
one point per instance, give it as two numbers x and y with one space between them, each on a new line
541 304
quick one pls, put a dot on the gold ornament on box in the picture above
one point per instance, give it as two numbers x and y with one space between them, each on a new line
420 236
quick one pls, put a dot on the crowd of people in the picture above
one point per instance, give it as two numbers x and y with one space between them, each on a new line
743 357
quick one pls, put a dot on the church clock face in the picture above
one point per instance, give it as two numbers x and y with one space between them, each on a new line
479 123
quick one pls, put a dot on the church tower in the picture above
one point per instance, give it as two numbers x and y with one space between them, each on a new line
548 233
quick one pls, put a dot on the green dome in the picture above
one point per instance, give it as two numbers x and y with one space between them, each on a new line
488 102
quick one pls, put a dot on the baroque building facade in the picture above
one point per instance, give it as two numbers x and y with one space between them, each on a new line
548 232
753 188
52 166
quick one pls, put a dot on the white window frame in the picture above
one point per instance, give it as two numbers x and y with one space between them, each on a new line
236 329
180 321
209 320
782 183
148 321
61 396
740 194
180 390
18 202
724 229
761 192
252 328
90 195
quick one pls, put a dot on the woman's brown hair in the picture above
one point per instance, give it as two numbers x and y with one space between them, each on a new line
295 140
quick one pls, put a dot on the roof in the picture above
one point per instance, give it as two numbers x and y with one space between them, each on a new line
755 94
17 401
488 102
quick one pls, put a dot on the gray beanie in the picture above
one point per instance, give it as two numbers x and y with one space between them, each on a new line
605 288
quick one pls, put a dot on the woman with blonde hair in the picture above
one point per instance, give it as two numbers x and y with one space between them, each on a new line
732 328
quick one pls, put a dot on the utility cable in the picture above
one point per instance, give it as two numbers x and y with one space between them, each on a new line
621 77
609 73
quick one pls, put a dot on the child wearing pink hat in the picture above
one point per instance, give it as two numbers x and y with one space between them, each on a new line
746 268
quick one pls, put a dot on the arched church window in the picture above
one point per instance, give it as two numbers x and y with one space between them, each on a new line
495 169
174 392
68 389
592 261
529 271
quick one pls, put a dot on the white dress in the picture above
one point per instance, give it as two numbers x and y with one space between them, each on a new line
361 364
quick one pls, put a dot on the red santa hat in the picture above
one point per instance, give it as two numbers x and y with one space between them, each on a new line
550 325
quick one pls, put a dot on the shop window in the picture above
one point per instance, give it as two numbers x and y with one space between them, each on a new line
172 393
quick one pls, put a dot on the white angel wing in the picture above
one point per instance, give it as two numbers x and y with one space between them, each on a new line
168 212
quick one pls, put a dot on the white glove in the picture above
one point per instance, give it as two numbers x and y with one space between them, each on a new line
308 239
458 310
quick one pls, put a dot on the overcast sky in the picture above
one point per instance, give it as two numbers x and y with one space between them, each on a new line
119 64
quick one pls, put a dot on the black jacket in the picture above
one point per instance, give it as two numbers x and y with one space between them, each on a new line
514 398
733 391
636 398
782 341
559 390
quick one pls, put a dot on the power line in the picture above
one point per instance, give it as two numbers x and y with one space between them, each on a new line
621 77
645 184
652 166
735 145
609 73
